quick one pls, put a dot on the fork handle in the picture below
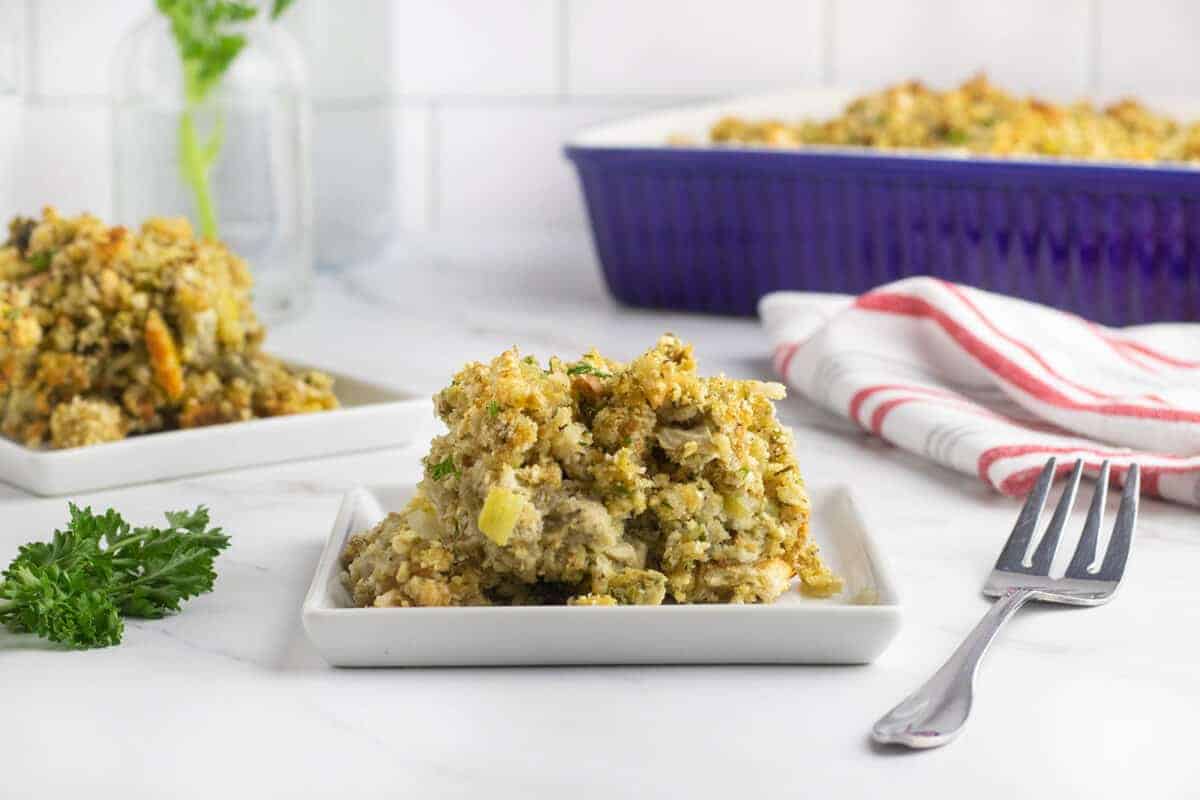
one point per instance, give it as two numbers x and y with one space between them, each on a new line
934 714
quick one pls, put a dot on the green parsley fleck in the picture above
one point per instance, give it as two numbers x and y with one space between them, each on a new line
13 314
443 469
41 261
584 368
493 408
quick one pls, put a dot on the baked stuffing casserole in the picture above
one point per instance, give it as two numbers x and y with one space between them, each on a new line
978 117
107 333
597 483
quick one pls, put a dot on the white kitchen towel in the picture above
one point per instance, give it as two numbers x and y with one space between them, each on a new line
993 386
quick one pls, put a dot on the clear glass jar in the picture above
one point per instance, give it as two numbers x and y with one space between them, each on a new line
11 30
260 182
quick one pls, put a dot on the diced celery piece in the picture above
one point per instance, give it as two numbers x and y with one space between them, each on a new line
499 514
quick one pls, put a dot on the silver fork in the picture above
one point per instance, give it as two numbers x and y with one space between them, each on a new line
934 714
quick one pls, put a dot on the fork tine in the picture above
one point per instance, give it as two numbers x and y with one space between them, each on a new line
1018 541
1118 545
1085 551
1044 555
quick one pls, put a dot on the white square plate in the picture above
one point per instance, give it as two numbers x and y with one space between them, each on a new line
371 416
852 628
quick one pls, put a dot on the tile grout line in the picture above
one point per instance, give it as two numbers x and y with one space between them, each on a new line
80 101
828 35
28 80
433 193
1093 46
400 121
561 52
512 101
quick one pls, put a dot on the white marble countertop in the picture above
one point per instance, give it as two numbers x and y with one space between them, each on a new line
228 699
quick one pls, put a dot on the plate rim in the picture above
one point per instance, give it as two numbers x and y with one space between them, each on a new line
374 416
48 457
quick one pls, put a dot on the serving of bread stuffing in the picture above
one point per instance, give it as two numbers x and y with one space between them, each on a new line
594 482
980 118
107 332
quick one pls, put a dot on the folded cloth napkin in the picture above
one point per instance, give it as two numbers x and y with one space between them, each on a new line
993 386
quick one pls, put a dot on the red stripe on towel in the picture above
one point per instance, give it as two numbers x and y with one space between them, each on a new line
783 357
1029 351
1116 346
994 361
965 405
1149 352
864 394
1020 483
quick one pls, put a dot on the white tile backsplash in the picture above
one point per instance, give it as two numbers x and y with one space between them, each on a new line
475 47
347 46
64 160
619 47
415 155
1026 45
356 173
1149 47
504 166
11 114
12 54
451 114
75 43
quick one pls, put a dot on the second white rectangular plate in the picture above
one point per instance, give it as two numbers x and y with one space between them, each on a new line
370 416
851 628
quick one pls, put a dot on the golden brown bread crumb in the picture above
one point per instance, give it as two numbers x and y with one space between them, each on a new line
106 333
82 422
597 483
592 600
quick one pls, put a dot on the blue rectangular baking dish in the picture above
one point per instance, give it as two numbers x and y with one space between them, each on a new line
712 229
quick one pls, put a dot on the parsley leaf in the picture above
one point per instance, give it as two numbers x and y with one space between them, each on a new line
280 6
12 314
160 568
584 368
75 588
493 408
40 261
439 471
207 39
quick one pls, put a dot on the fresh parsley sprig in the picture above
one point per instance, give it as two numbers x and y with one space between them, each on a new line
205 32
75 588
